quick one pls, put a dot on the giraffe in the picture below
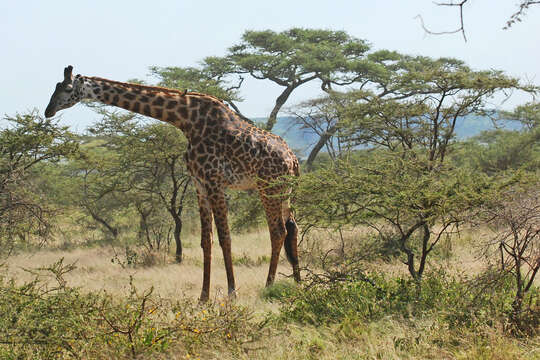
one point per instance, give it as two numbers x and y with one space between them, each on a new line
224 151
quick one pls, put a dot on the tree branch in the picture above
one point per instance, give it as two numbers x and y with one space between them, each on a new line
461 29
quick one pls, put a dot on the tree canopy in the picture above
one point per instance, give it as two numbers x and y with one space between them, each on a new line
294 57
401 183
27 142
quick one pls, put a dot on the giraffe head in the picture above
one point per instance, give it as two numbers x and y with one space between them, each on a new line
66 94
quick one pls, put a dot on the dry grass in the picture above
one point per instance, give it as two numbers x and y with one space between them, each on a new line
251 252
95 271
387 338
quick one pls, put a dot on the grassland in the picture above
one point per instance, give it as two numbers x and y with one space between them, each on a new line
259 324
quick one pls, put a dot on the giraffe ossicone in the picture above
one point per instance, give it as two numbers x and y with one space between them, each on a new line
224 151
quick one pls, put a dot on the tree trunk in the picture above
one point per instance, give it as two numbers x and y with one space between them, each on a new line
425 251
110 228
518 299
280 101
319 145
409 252
144 231
177 240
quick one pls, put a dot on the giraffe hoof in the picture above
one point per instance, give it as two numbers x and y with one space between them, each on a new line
296 275
203 299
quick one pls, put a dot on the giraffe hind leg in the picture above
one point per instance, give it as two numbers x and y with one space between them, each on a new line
276 227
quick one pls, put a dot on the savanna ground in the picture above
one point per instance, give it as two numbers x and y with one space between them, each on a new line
103 308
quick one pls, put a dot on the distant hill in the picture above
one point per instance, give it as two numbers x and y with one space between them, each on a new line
473 125
301 140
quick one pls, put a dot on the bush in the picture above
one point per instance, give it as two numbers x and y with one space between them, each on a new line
39 320
457 302
247 212
280 290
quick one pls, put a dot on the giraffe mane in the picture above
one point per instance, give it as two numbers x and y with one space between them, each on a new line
156 88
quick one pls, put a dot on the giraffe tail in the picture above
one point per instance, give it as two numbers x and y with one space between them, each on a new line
291 246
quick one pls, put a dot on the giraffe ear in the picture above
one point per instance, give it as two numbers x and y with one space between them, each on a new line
68 74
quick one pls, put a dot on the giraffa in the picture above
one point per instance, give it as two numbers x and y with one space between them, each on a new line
224 151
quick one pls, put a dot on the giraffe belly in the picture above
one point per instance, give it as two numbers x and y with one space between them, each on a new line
236 178
241 184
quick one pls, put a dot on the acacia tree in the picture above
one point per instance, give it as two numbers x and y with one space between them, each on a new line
96 188
91 183
410 209
289 59
528 114
323 118
294 57
405 189
25 144
513 217
431 94
150 168
500 150
154 165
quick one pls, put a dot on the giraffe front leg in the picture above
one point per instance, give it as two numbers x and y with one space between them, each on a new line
206 240
219 209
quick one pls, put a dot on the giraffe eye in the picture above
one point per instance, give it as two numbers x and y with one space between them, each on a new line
69 88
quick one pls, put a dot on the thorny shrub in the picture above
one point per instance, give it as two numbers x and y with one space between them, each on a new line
46 319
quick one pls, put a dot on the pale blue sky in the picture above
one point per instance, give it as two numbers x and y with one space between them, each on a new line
119 40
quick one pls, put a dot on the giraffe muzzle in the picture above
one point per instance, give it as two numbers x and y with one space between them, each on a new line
49 112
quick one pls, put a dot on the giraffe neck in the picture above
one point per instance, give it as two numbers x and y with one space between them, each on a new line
183 110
